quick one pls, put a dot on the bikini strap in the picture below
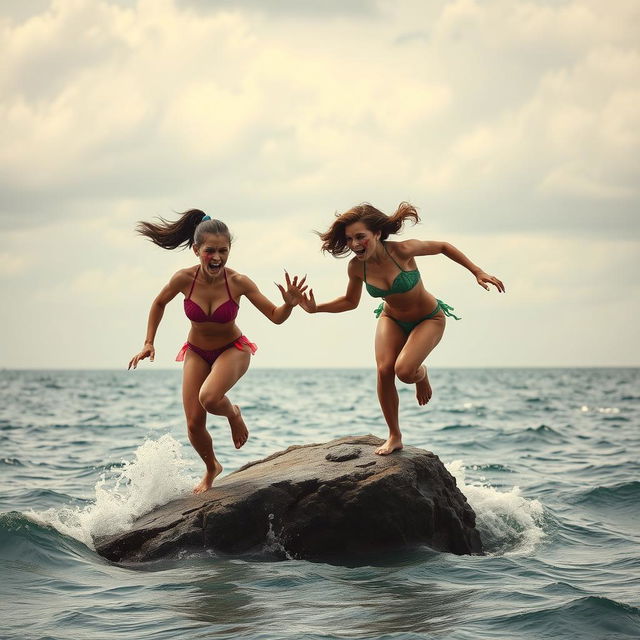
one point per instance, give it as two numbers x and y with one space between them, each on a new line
384 244
364 275
227 283
193 284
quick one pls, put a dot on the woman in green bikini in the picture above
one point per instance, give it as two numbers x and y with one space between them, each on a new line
411 320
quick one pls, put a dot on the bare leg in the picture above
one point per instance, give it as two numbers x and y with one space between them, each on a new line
421 341
388 344
195 372
230 366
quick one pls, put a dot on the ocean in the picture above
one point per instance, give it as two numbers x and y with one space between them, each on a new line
548 458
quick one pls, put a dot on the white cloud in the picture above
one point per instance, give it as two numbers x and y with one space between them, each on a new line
11 264
557 26
155 98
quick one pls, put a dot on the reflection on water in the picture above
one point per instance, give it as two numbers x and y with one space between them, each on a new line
237 595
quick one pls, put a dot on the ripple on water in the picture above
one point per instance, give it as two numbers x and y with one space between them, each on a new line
621 495
557 514
583 617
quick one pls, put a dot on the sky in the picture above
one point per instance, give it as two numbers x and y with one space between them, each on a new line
513 127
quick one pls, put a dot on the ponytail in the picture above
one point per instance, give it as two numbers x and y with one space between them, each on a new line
334 239
187 230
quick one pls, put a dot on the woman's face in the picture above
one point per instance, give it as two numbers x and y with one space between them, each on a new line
361 240
213 253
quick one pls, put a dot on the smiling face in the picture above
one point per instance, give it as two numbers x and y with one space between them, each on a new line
213 253
361 240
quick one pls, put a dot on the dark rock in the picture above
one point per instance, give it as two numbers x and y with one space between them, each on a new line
315 501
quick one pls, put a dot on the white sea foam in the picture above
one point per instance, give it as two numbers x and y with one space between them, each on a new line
508 523
155 476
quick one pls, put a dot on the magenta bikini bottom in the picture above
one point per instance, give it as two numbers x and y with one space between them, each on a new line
210 356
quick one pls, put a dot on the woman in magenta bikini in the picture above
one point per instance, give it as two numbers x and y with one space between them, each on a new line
216 354
411 320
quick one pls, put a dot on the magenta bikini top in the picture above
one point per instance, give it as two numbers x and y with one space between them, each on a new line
226 312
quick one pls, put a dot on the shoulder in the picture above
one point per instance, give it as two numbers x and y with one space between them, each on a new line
182 275
180 281
405 249
355 268
239 281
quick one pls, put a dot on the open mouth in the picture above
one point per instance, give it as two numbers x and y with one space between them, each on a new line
359 252
214 265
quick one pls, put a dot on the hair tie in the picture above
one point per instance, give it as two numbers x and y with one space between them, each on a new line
206 217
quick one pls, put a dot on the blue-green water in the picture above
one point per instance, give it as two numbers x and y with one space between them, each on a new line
547 458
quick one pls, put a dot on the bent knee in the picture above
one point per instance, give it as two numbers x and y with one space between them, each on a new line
210 402
406 374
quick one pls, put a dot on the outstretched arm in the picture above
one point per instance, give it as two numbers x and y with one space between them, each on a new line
168 293
347 302
412 248
291 296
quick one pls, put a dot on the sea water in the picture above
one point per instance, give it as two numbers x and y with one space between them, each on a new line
548 459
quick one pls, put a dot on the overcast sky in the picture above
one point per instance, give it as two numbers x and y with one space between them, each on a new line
514 127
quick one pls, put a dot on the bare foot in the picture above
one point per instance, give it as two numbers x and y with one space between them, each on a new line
239 431
393 443
208 478
423 389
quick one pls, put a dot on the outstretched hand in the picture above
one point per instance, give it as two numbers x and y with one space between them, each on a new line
294 293
147 352
484 280
308 302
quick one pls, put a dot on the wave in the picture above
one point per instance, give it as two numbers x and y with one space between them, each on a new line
47 496
622 494
583 617
456 427
542 434
468 407
508 523
11 462
154 477
25 540
584 533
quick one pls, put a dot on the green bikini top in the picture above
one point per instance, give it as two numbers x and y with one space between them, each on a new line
404 281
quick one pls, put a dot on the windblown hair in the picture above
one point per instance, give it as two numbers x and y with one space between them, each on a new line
187 230
334 239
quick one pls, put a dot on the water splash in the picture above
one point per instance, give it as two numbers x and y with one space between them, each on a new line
155 476
508 523
273 543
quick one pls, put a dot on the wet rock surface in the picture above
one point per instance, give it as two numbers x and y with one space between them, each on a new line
316 501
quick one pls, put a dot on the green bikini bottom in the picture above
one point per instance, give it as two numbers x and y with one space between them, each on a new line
409 326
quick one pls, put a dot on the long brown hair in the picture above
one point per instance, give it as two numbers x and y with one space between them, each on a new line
334 240
187 230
